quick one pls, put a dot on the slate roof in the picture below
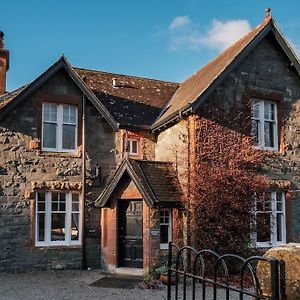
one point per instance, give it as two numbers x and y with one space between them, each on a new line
9 96
133 101
156 181
162 179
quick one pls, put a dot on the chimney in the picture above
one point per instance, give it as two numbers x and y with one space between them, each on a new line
4 64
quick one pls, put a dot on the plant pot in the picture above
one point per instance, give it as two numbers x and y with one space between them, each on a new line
164 279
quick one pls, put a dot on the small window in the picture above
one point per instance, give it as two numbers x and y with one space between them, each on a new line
57 219
133 147
264 124
59 127
270 219
165 218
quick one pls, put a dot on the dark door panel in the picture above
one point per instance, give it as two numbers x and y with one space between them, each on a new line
131 234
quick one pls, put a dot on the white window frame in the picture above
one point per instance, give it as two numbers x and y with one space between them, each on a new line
261 119
273 213
130 141
170 227
48 212
59 129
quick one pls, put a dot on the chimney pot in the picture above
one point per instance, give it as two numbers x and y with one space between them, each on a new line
4 64
1 39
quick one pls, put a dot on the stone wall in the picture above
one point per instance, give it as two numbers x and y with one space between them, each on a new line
266 73
23 165
172 145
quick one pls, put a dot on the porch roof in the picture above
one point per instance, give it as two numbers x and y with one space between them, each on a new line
156 181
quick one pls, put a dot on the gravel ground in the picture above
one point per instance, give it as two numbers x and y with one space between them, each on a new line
73 285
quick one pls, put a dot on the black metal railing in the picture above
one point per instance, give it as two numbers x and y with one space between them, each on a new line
206 275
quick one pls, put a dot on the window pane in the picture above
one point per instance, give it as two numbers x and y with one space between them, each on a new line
164 217
263 226
58 226
279 206
66 114
50 112
75 206
279 227
41 227
68 138
164 238
62 205
255 109
255 130
75 202
41 202
73 115
62 202
269 134
269 112
49 135
54 196
46 112
272 116
75 227
69 114
54 206
54 202
134 147
75 197
134 227
267 107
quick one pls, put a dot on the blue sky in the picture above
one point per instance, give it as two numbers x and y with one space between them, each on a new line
162 39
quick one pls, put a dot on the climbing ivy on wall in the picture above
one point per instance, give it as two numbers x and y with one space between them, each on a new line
223 181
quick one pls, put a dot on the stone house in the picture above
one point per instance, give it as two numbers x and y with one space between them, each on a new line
89 161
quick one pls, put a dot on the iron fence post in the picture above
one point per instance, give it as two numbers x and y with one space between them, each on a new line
169 270
274 279
282 280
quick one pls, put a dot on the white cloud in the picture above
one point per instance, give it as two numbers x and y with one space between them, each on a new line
219 35
179 21
222 34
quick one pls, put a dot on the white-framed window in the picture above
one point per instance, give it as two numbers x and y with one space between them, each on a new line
60 125
58 219
133 146
269 219
264 127
165 219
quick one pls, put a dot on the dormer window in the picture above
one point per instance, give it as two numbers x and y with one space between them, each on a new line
60 124
133 147
264 128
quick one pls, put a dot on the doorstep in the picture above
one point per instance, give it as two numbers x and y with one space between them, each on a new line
126 271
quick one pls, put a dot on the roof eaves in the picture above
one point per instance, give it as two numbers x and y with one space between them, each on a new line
176 115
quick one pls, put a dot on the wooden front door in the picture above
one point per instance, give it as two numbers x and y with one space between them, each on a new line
130 234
